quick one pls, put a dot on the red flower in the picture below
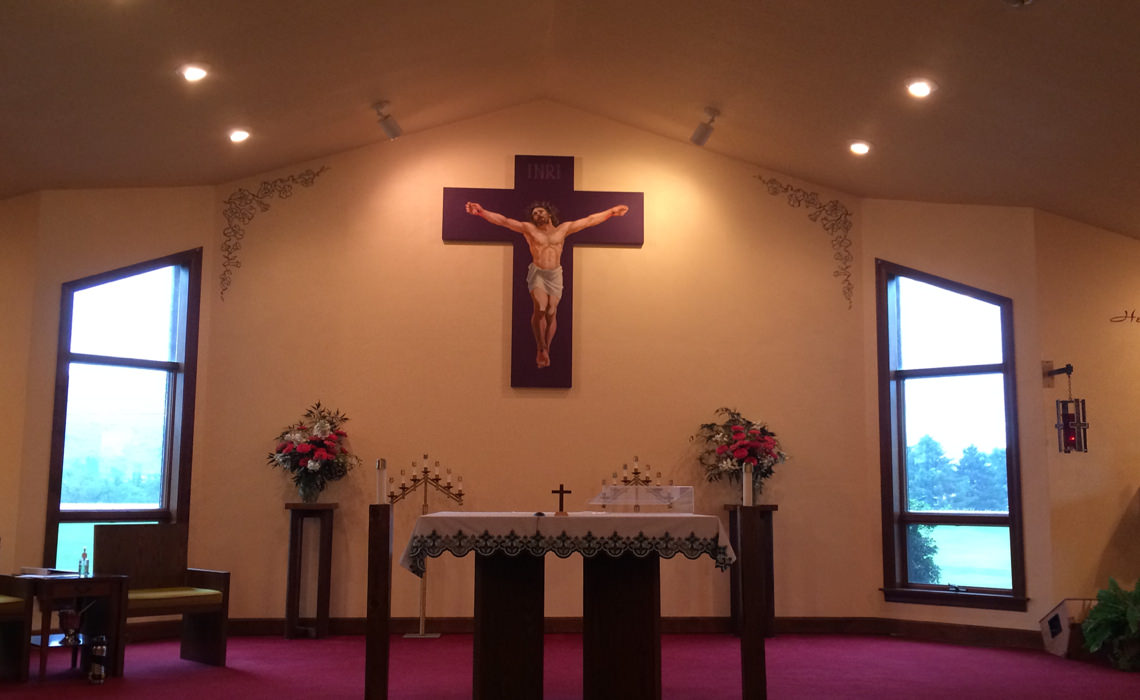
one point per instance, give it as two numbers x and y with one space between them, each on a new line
285 448
321 454
303 461
752 460
340 433
740 453
721 449
304 448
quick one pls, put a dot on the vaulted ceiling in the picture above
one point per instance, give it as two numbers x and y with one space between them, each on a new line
1036 105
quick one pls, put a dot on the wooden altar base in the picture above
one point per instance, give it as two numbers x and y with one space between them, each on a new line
621 652
621 627
508 627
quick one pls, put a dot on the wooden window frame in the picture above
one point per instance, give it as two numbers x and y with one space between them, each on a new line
179 441
892 450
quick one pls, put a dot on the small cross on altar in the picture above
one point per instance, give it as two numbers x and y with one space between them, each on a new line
561 491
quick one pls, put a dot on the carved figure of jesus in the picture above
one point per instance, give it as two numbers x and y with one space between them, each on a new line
546 236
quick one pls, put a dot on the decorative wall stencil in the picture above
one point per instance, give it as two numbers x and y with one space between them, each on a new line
836 221
242 206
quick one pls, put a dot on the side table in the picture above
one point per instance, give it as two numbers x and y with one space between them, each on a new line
103 602
298 513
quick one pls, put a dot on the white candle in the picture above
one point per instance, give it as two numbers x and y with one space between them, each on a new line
381 479
746 482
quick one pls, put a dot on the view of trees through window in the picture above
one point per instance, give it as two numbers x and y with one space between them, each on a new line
974 482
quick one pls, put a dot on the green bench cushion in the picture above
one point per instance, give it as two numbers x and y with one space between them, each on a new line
11 605
141 600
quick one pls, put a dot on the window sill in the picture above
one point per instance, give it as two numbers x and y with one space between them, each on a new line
967 599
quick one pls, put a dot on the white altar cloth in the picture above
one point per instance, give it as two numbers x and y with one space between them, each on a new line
586 533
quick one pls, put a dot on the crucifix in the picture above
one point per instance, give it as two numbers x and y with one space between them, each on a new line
509 216
561 491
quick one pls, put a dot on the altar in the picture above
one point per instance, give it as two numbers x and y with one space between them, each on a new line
621 637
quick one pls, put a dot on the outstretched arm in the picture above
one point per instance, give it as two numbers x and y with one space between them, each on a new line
595 219
494 217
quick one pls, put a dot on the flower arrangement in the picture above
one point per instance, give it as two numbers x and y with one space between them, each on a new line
736 442
315 451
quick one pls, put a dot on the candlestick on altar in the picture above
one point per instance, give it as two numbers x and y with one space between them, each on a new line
636 478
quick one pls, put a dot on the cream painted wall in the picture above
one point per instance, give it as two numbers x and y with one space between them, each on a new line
991 248
1089 279
18 223
347 295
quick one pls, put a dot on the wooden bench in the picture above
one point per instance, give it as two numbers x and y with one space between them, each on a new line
161 583
15 627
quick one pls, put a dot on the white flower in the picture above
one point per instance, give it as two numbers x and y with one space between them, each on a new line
322 429
313 465
295 437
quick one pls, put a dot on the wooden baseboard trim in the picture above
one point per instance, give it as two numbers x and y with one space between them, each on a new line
943 632
947 633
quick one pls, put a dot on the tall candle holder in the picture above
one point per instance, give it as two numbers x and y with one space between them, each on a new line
635 478
422 477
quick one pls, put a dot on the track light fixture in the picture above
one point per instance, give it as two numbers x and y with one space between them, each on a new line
387 122
704 130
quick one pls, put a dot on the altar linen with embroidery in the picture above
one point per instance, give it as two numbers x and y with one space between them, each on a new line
585 533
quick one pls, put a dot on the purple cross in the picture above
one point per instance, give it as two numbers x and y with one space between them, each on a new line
538 179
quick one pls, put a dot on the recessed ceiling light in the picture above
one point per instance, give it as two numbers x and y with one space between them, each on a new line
193 72
921 87
239 135
859 148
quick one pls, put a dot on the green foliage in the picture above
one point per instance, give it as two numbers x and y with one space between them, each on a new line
1114 624
974 483
920 550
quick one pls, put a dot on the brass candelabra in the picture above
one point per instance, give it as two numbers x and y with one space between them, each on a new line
635 477
423 477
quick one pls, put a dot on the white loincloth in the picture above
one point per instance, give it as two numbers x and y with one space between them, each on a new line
549 280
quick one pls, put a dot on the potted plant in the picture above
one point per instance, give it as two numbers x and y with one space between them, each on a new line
1114 624
314 451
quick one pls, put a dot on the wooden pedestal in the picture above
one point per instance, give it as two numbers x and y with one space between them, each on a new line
760 535
379 605
299 512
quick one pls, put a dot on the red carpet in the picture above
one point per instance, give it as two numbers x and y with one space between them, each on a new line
695 667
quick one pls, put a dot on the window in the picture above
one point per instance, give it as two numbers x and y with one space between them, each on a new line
123 423
948 441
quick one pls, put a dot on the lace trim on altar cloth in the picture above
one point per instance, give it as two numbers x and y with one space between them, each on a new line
563 545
